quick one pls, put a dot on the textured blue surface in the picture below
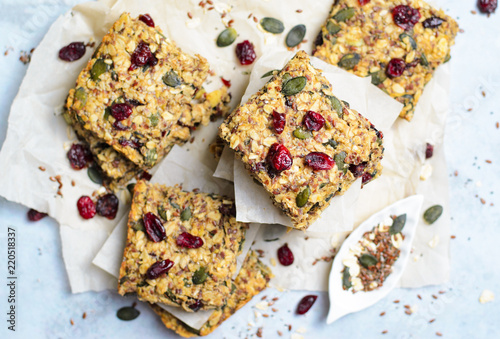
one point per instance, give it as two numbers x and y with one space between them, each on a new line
45 305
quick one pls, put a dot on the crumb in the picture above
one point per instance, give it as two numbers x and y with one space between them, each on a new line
486 296
456 173
461 30
473 12
483 93
25 56
274 309
299 11
408 312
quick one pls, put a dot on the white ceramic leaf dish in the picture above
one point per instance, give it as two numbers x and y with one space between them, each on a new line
343 302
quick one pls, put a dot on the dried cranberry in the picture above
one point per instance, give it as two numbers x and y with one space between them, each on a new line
429 151
79 156
188 240
319 161
86 207
395 68
279 122
119 126
34 215
405 16
363 2
226 83
196 306
121 111
146 18
357 170
145 175
306 303
319 40
142 56
107 206
245 52
432 22
314 121
487 6
279 157
72 52
285 255
158 268
366 178
154 227
228 209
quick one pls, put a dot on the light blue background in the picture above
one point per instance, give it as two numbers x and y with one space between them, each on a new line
45 304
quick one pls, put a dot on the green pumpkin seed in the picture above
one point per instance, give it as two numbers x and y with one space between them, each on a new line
131 187
346 104
200 275
185 214
226 37
348 61
378 77
162 213
233 288
271 240
151 157
346 279
408 38
433 213
94 55
302 134
295 36
81 95
447 58
99 67
303 197
174 205
154 119
368 260
339 160
336 105
294 86
344 14
67 118
268 74
170 295
332 27
127 313
114 76
423 60
172 79
332 143
139 226
398 224
107 113
285 79
94 174
272 25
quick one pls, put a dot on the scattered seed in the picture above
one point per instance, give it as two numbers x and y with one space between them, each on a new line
497 124
255 19
299 11
488 161
272 25
433 213
289 327
226 37
473 12
41 168
127 313
71 322
274 309
483 201
419 297
190 16
265 315
295 36
396 301
439 334
384 332
431 321
452 236
442 292
84 315
434 296
407 307
264 297
280 333
456 173
408 312
483 93
382 314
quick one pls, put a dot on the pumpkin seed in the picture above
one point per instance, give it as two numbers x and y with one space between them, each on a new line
200 275
162 213
272 25
139 226
268 74
332 27
154 119
447 58
398 224
336 105
346 104
67 117
368 260
185 214
271 240
378 77
433 213
172 79
151 157
94 174
296 35
348 61
332 143
411 41
344 14
233 288
94 55
285 78
302 134
98 68
127 313
294 86
81 95
346 279
170 295
107 113
303 197
226 37
423 60
174 205
339 160
131 187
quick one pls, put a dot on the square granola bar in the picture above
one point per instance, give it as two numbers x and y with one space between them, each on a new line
251 280
302 143
398 43
137 87
181 247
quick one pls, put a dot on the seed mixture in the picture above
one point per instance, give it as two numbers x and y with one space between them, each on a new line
398 43
302 143
369 262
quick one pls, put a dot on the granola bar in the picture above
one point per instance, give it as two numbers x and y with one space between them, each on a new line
302 143
398 43
137 87
181 247
251 280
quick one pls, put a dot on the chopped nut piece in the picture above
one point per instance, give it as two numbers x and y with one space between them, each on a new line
486 297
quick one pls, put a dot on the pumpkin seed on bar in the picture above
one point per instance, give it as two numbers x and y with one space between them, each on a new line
162 213
346 281
226 37
378 77
94 174
336 105
139 226
127 313
154 119
398 224
303 197
348 61
186 214
302 134
368 260
200 275
344 14
81 95
332 27
268 74
272 25
98 68
151 157
332 143
296 35
172 79
412 41
433 213
339 160
447 58
294 86
423 60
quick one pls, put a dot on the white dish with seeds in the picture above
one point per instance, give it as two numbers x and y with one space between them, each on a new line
344 301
